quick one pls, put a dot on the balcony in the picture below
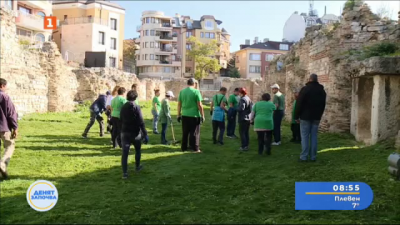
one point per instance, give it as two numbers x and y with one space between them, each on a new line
170 63
166 51
30 21
166 38
84 20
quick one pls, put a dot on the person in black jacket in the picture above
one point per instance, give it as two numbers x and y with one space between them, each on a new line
310 106
96 109
133 132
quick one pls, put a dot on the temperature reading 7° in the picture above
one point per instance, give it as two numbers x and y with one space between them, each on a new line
355 205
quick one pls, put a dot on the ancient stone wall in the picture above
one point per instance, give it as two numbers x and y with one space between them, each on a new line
323 51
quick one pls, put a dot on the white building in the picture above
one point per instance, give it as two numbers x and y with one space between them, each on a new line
296 24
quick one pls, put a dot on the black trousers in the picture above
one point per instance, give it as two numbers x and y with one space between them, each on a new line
296 132
191 130
244 127
221 126
129 139
109 125
116 131
93 118
264 141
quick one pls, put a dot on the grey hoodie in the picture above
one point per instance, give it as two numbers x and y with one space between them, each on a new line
244 108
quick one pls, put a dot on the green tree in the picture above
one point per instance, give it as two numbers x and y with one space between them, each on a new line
203 55
232 70
129 48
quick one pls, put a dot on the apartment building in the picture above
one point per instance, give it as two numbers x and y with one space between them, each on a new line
252 60
30 19
90 32
164 46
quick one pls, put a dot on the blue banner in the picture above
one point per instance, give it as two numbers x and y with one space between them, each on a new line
333 195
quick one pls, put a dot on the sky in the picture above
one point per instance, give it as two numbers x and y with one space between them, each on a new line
242 19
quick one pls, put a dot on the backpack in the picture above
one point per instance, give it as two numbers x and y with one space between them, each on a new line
219 113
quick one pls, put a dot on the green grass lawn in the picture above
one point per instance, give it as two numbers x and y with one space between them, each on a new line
220 185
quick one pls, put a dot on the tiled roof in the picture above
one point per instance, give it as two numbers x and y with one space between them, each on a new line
196 24
87 2
269 45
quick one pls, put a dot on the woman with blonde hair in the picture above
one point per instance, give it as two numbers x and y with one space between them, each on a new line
108 106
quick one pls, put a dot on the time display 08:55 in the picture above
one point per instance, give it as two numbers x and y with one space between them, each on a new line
346 187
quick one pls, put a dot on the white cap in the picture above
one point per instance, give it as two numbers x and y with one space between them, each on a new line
275 86
170 94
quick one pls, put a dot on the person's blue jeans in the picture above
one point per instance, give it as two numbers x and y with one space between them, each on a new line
164 127
127 140
155 120
309 134
230 129
278 116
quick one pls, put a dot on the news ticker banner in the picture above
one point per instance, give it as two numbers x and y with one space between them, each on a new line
333 196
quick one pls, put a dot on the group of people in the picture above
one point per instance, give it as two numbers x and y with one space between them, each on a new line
126 124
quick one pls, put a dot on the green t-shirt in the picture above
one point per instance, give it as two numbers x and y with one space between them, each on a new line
264 115
279 99
156 100
116 105
189 97
137 102
165 111
218 99
293 111
233 100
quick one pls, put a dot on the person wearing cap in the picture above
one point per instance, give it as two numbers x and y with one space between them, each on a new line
233 102
156 107
96 110
191 113
279 101
244 110
295 127
217 111
165 115
310 107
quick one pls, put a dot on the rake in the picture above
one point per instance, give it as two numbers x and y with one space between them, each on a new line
173 135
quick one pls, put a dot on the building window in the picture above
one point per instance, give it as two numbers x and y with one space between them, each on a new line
113 24
167 69
153 20
145 56
207 35
146 45
41 14
269 57
157 20
255 69
266 69
114 43
189 24
188 34
188 58
188 47
151 56
202 34
212 35
24 10
255 57
148 20
113 61
152 32
209 24
151 44
25 33
40 38
147 33
283 47
157 57
188 69
138 57
65 17
157 45
101 38
9 4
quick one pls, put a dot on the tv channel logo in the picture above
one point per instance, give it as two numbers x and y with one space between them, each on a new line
50 22
42 195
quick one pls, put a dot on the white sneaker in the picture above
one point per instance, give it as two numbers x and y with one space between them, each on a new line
276 143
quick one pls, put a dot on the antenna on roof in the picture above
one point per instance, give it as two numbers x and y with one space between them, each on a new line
311 9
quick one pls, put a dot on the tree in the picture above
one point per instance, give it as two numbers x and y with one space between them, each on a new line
232 70
203 56
384 11
129 54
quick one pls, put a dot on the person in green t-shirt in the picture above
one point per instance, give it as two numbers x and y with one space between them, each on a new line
279 101
295 124
217 110
155 110
233 102
116 105
191 113
262 116
165 115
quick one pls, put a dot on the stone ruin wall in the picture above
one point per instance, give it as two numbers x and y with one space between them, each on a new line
322 51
